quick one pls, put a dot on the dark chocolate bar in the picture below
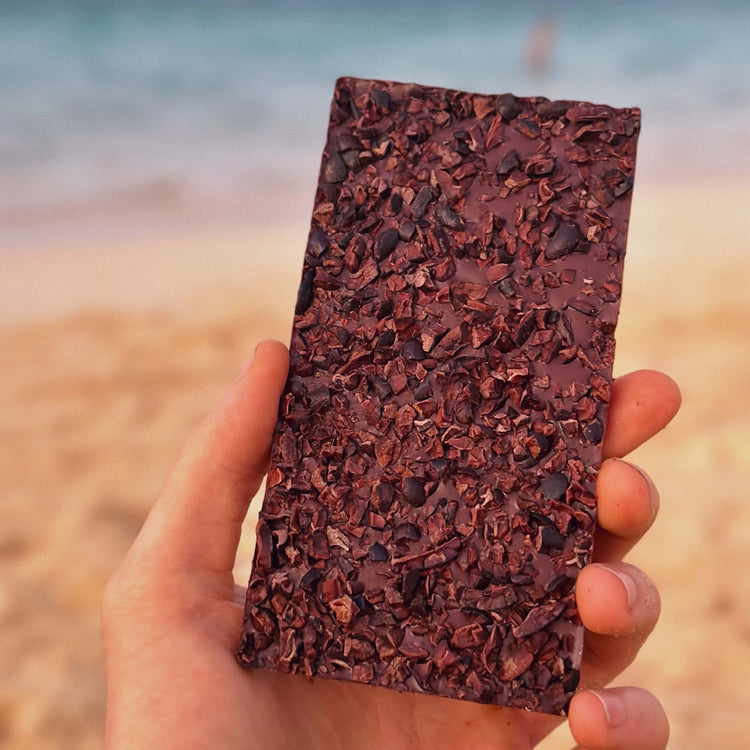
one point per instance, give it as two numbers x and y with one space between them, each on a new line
431 495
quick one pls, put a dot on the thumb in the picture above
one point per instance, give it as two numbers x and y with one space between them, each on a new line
196 522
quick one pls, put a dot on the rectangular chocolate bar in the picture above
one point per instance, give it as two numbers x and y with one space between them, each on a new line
431 495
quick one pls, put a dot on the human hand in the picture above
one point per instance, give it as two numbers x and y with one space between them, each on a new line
172 613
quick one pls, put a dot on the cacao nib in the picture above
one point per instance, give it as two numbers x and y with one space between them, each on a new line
554 486
385 243
414 491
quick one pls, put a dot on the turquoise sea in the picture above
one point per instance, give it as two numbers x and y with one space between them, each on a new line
209 99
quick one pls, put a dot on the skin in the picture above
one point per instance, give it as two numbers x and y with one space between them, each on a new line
172 613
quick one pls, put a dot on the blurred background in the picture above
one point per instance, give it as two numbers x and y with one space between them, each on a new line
158 161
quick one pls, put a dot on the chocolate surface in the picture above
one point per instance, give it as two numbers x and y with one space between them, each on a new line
431 495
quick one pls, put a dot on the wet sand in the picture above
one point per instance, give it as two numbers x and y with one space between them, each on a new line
114 351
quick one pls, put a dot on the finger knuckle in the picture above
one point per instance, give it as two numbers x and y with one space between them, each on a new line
129 591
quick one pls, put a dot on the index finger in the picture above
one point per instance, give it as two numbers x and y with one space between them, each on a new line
643 403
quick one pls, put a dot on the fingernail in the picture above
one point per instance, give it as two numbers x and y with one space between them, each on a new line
614 708
653 494
631 588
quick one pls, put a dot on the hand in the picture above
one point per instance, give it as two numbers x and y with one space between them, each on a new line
172 613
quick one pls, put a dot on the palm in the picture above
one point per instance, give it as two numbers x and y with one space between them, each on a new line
285 711
336 715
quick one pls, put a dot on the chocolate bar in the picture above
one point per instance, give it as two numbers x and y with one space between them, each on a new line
430 500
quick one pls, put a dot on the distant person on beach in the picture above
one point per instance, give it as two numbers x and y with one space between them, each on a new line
540 45
173 614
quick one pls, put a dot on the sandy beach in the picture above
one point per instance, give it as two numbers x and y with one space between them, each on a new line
114 349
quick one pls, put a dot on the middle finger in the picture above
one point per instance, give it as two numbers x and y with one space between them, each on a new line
627 504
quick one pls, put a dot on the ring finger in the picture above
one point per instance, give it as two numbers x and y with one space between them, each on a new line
619 606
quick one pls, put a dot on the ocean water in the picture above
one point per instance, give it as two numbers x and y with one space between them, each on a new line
103 101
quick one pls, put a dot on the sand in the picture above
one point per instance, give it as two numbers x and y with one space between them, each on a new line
113 351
